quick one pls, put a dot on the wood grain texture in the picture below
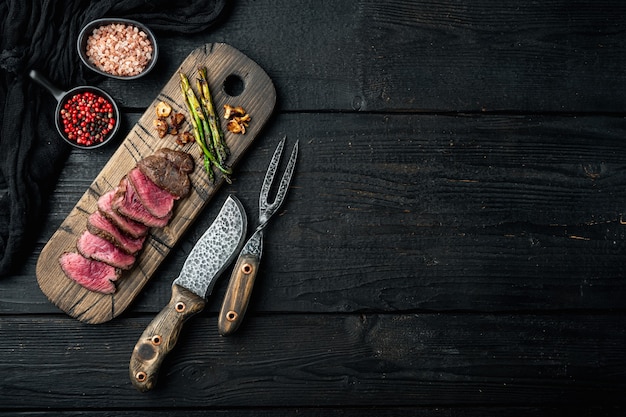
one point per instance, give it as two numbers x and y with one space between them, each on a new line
404 212
258 99
325 361
238 293
453 243
367 55
355 411
161 336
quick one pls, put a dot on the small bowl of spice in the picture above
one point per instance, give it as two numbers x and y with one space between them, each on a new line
118 48
86 117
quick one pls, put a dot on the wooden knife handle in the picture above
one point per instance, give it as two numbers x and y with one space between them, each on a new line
160 337
238 293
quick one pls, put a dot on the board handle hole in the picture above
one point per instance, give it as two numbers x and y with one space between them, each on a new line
233 85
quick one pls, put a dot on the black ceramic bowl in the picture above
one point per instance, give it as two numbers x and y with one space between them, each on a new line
63 97
87 31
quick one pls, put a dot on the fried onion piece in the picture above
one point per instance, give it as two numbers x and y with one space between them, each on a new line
163 109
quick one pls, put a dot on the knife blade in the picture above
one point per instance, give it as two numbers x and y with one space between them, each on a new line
213 252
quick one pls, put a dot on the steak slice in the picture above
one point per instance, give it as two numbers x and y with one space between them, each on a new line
180 159
126 225
165 175
101 226
155 199
92 275
99 249
127 203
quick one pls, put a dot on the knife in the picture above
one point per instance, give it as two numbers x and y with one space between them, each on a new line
213 252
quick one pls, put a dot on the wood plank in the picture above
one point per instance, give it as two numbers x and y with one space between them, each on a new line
403 212
408 55
294 361
258 97
547 411
456 159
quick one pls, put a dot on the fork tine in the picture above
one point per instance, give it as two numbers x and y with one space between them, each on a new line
284 183
269 177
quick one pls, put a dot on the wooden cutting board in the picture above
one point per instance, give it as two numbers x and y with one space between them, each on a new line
224 64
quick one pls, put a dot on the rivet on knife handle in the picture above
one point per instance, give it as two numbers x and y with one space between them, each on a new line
161 336
238 293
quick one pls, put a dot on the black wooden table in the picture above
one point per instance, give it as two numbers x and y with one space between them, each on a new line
453 243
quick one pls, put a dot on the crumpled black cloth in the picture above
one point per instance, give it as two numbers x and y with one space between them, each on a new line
41 34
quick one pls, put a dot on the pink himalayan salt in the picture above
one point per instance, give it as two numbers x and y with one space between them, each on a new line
119 49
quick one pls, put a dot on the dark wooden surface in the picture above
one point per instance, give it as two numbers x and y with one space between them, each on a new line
453 243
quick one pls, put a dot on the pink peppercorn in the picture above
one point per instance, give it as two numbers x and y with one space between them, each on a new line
87 118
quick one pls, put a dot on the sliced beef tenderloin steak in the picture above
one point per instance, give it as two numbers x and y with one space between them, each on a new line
155 199
128 204
99 249
165 175
125 224
92 275
101 226
117 230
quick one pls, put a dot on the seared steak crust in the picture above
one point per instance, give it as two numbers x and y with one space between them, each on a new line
182 160
125 224
128 204
100 226
166 175
156 200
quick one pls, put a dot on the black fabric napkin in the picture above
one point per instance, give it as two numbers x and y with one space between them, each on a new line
41 34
